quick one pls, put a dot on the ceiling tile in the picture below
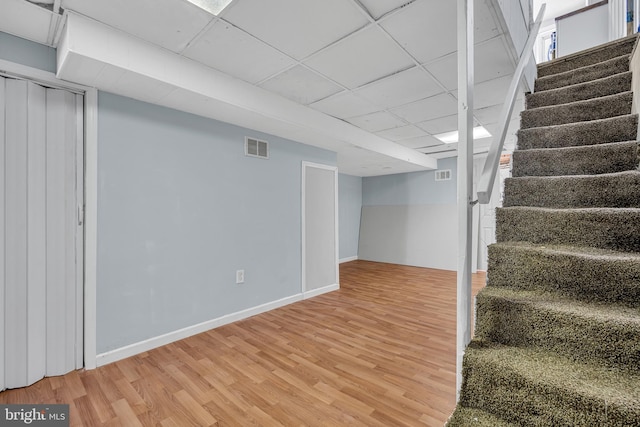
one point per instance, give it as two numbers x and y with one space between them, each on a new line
35 28
492 60
488 115
445 70
356 60
377 121
426 29
167 23
492 92
401 88
378 8
420 142
484 22
404 132
345 105
427 109
297 28
442 148
252 60
301 85
441 125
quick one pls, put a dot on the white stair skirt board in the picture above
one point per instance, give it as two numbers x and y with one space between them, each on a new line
155 342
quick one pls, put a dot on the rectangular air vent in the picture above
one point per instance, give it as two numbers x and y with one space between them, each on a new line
256 148
443 175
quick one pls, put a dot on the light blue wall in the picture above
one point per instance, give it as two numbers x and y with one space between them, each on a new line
181 208
415 188
350 205
25 52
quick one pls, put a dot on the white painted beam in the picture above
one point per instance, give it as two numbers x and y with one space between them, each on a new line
94 54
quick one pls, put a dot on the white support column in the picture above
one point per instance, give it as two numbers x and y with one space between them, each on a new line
465 180
617 19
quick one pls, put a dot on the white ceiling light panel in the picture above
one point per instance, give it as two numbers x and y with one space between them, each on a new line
214 7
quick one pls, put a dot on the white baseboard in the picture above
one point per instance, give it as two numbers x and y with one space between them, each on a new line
351 258
320 291
151 343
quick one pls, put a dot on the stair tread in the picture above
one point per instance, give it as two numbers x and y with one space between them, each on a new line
469 417
545 367
585 103
593 55
578 111
582 91
617 189
600 312
580 134
602 176
583 74
582 251
577 160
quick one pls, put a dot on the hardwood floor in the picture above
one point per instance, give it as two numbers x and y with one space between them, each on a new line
378 352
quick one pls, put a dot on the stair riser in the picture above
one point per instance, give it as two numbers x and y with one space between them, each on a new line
588 279
604 87
615 129
615 229
495 389
615 190
591 160
581 111
582 75
524 324
604 53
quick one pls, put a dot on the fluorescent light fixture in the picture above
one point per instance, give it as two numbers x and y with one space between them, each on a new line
212 6
479 132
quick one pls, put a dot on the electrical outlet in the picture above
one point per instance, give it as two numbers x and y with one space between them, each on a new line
239 276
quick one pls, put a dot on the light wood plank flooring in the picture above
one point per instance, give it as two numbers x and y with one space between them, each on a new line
378 352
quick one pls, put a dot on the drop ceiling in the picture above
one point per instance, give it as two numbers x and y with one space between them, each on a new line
373 80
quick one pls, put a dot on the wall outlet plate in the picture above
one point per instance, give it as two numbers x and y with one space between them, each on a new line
239 276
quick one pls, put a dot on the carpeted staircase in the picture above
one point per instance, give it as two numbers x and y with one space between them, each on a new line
557 336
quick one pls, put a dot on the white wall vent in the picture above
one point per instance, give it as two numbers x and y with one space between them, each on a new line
443 175
256 148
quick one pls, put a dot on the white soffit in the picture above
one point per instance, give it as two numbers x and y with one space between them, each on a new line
339 63
41 23
89 49
230 50
297 28
173 25
301 85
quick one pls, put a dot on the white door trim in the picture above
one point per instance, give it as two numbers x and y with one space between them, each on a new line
90 191
305 165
